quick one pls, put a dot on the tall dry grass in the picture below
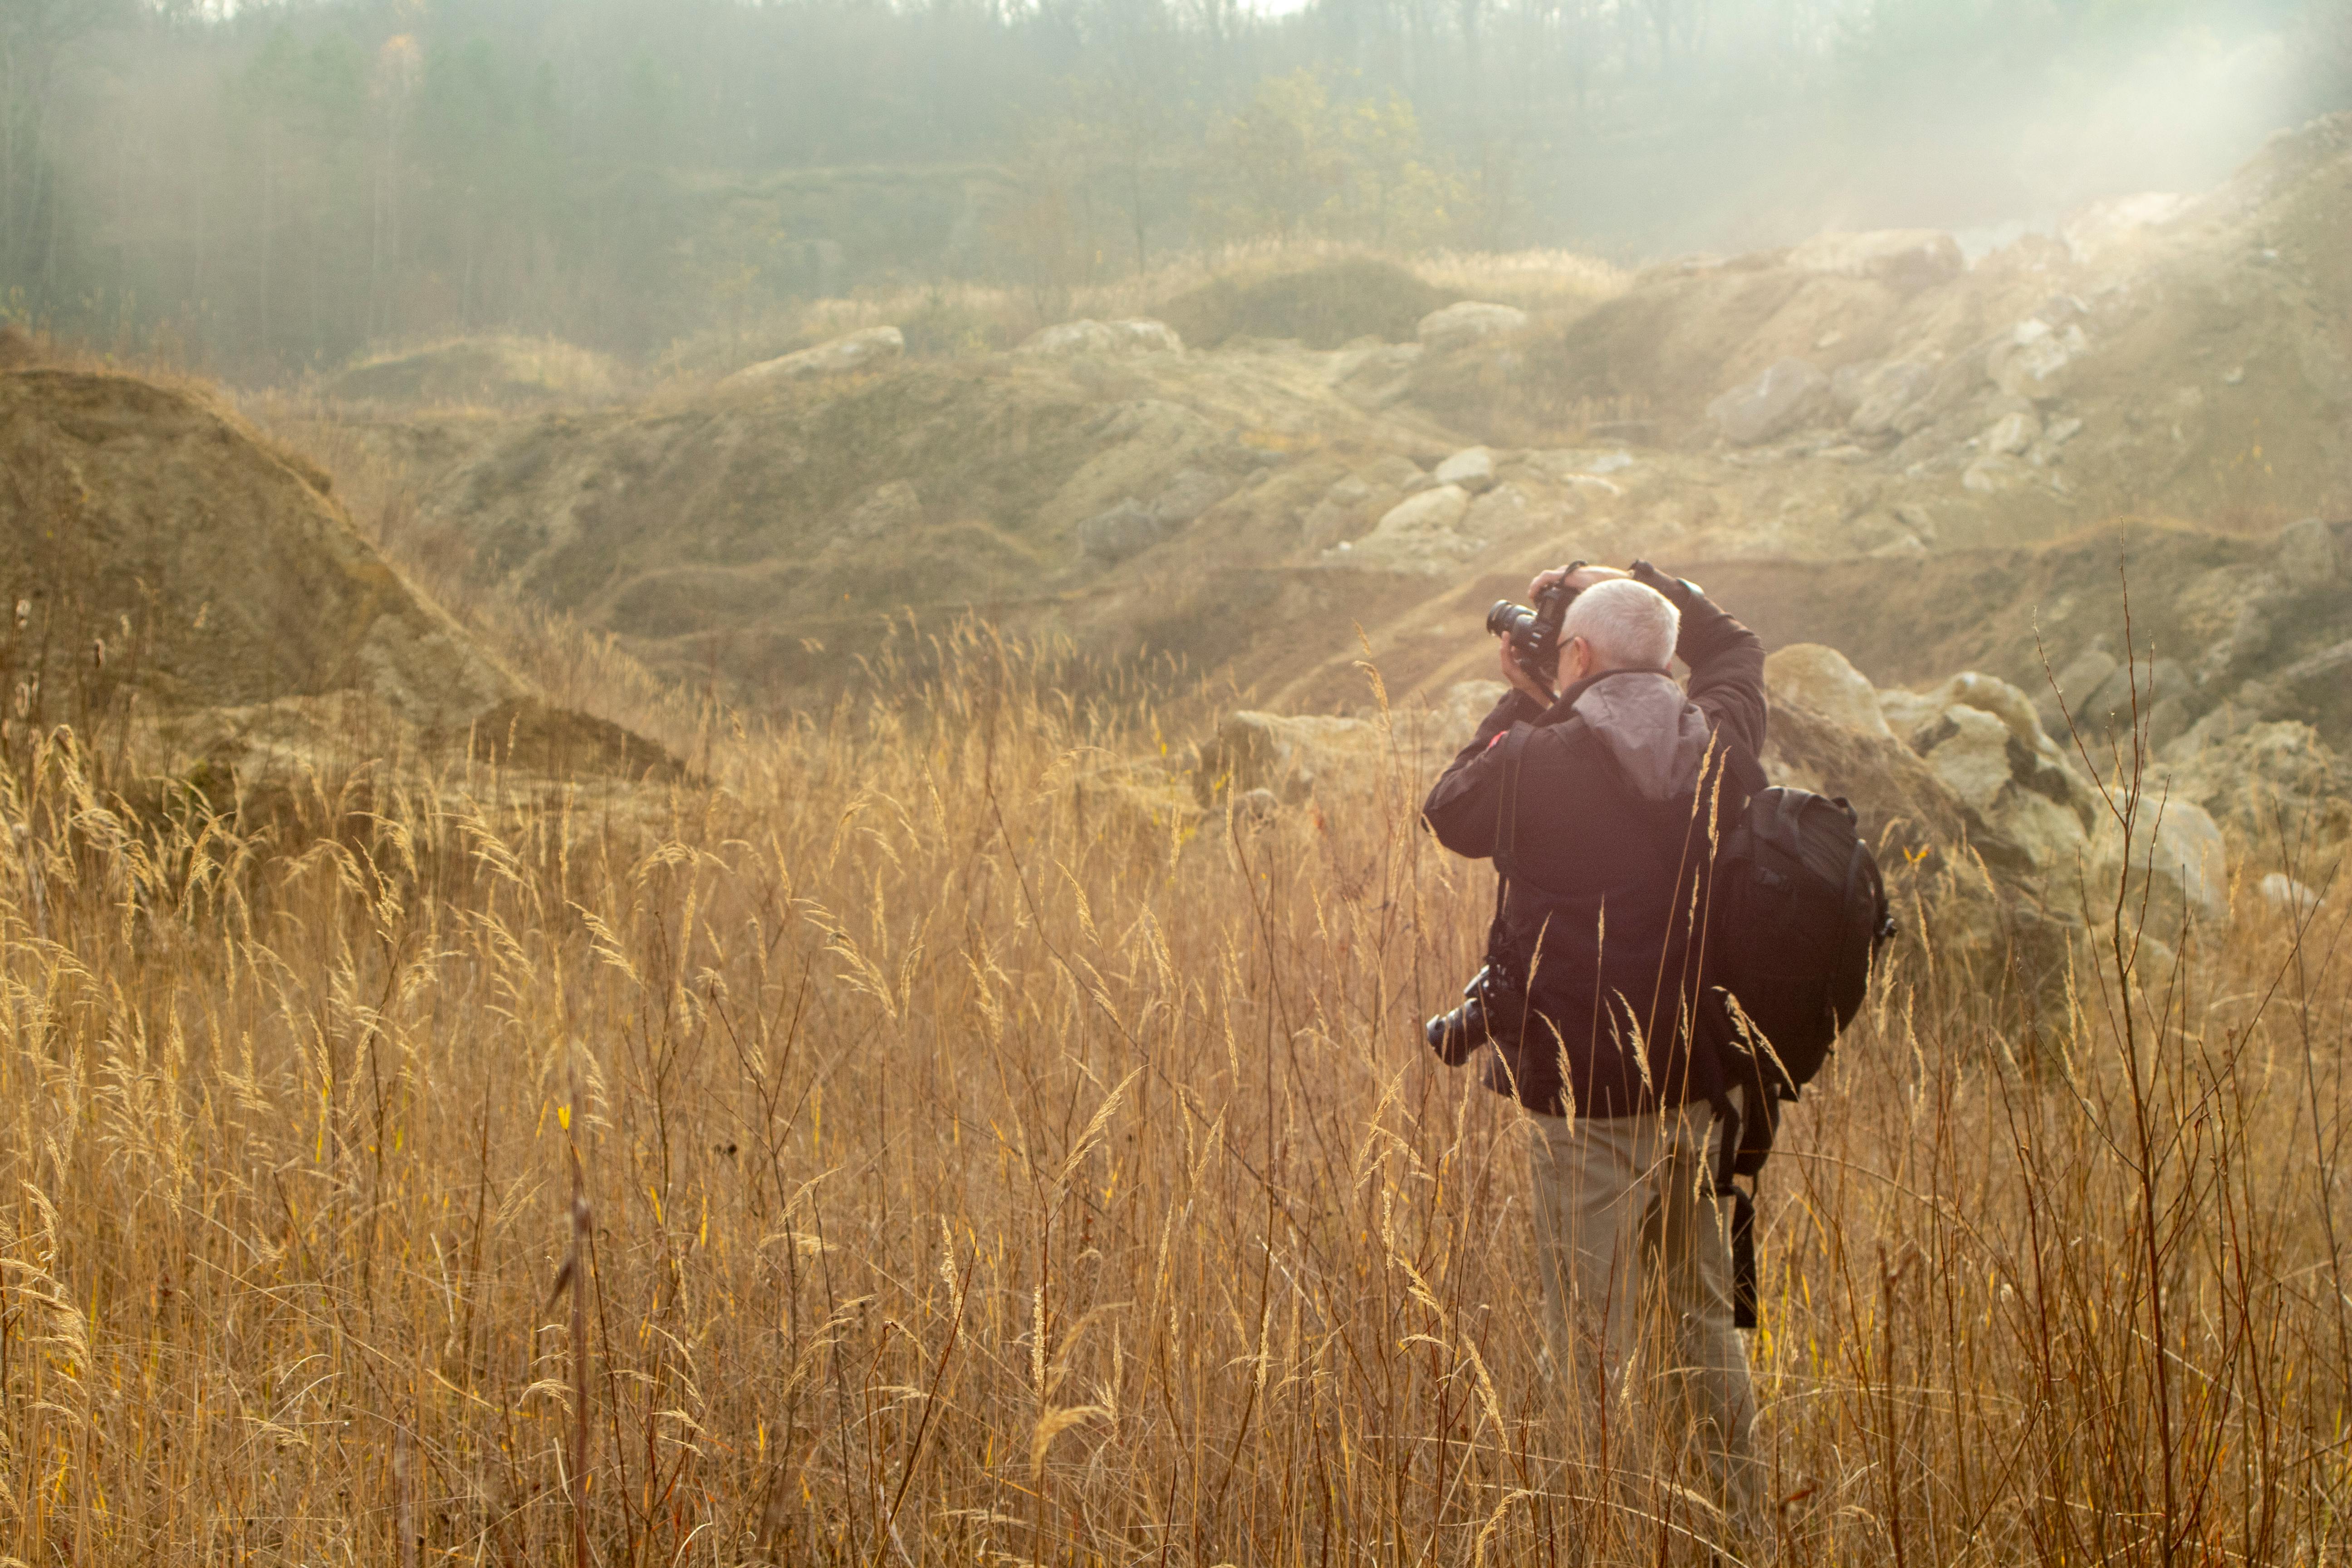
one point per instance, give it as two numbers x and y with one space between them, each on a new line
926 1142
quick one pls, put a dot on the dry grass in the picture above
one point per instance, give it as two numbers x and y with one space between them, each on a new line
980 1163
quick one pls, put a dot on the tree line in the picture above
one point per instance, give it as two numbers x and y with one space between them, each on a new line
264 187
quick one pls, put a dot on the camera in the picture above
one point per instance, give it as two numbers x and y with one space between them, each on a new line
1534 634
1489 1000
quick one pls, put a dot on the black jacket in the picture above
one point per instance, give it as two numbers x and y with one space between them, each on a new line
1621 791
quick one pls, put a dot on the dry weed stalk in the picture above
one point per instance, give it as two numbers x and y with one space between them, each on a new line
994 1159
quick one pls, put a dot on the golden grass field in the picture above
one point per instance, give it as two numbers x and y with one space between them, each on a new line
974 1166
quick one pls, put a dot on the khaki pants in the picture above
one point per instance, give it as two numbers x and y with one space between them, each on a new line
1636 1267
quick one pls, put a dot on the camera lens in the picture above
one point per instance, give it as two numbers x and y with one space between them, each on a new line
1508 620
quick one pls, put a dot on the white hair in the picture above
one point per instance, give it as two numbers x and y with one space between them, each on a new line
1628 625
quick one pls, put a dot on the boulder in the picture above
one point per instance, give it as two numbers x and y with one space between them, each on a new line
1982 740
2286 896
1473 469
890 509
1127 529
1930 845
1457 716
2027 361
1288 754
2011 434
2132 693
1134 526
1967 751
2276 785
2174 858
1470 322
1787 395
1138 806
2308 555
1883 394
2316 689
1899 803
1352 505
2083 676
1904 259
1810 675
1995 472
1192 491
868 350
1137 336
1419 534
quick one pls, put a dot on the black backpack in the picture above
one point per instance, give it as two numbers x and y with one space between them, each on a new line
1797 915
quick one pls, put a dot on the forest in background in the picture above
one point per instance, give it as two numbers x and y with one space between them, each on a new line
262 190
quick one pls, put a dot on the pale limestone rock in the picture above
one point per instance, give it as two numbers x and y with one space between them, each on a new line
1419 534
2284 894
868 350
1810 675
1470 322
1883 394
1789 393
1473 469
1972 759
2011 434
2027 362
1139 336
1995 472
2176 853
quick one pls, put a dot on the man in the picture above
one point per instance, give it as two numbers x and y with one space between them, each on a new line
1621 781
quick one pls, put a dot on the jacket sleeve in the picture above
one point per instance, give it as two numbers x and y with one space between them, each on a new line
1461 808
1726 660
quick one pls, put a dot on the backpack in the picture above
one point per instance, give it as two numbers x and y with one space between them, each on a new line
1797 915
1799 912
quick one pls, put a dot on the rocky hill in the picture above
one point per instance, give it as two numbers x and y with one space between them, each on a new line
1865 440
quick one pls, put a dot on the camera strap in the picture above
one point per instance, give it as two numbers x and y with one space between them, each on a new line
1507 846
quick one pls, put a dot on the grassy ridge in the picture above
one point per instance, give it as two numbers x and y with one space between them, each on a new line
976 1160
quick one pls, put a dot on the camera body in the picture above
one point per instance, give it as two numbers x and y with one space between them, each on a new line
1489 1001
1534 634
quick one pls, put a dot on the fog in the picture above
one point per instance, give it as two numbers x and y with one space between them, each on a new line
268 189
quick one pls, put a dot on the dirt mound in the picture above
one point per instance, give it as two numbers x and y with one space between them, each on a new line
1320 306
770 532
137 517
487 372
17 349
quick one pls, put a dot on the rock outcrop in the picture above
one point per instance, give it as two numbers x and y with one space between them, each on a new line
1460 325
871 348
1785 397
1139 336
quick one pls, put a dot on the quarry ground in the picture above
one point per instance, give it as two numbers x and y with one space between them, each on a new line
1864 441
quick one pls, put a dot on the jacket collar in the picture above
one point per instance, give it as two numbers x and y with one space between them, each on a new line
1561 710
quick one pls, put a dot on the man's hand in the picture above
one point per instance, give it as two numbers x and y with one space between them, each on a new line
1522 680
1582 578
